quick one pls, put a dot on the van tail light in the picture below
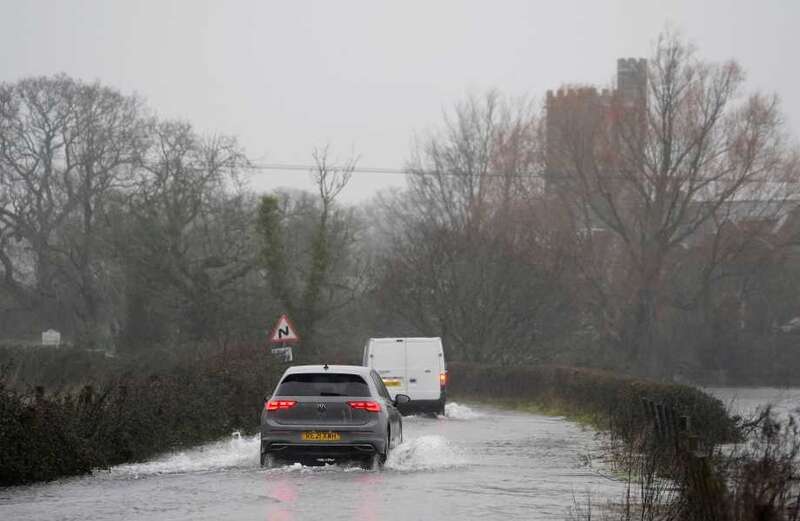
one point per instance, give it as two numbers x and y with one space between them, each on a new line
366 406
443 379
277 405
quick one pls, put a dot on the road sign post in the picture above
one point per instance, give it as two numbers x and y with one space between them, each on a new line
282 337
284 353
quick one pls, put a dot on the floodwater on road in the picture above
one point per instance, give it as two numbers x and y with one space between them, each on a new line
474 463
746 401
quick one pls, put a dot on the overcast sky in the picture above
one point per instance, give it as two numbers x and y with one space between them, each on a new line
284 76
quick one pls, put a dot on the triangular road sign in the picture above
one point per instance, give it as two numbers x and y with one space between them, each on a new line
284 332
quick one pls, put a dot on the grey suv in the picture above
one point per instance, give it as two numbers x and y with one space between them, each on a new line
323 413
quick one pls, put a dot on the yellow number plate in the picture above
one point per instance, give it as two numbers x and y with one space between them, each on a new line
391 382
321 436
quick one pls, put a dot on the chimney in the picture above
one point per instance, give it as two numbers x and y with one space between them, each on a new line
632 77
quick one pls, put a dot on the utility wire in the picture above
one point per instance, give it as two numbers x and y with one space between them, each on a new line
289 167
268 168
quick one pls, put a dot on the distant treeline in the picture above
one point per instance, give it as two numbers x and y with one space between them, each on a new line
650 229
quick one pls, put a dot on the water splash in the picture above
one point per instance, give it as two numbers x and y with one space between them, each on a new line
238 451
316 469
419 454
456 411
425 453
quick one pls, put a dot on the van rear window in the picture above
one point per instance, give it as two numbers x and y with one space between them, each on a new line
323 384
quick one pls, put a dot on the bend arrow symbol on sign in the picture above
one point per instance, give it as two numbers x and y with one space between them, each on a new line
284 332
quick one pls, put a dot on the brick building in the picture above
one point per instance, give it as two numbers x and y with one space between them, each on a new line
585 110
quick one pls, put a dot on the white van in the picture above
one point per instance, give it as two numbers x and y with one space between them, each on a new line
411 366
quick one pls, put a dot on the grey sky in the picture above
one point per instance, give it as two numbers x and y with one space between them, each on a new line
285 76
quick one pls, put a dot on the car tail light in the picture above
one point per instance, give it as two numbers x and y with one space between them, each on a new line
366 406
275 405
442 379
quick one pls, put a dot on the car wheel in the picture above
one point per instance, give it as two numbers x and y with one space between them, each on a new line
376 460
268 461
371 462
388 448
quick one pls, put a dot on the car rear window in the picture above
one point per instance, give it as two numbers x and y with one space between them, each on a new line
323 384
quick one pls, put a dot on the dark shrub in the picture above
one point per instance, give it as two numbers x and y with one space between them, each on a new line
611 401
132 417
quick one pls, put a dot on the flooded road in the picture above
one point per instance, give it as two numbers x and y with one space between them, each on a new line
746 401
475 463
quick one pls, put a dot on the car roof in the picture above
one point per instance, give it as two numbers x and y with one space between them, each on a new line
340 369
396 338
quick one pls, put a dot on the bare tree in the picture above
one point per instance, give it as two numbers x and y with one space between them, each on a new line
36 174
64 146
307 248
331 179
185 231
469 259
653 165
470 172
109 143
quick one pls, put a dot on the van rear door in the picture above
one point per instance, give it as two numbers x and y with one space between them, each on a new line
388 357
424 362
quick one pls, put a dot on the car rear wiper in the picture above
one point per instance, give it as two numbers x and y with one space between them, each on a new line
330 394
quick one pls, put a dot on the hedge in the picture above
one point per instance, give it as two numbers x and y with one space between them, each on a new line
610 401
131 418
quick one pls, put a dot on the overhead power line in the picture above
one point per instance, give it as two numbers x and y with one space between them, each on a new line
296 167
307 168
276 168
